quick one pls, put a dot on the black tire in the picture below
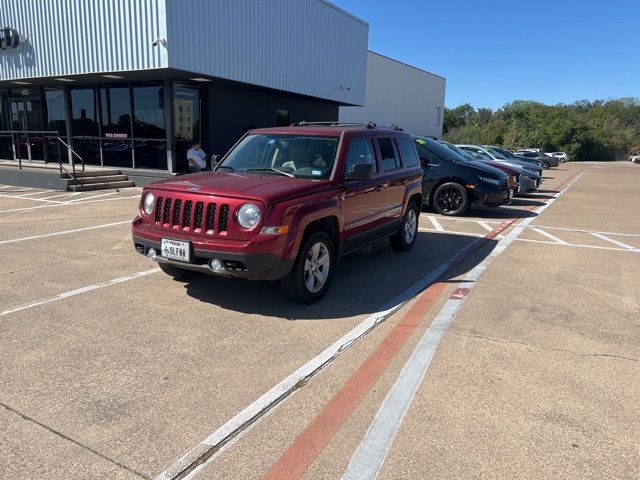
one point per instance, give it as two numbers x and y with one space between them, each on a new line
178 273
451 199
405 239
546 165
304 273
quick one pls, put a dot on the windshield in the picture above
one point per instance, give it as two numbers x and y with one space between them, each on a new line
283 154
435 147
497 154
459 151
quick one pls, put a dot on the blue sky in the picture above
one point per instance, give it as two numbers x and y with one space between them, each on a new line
496 51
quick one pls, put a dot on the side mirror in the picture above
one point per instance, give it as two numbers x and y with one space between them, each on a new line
360 171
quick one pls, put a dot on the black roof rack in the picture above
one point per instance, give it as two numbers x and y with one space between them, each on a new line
396 127
334 124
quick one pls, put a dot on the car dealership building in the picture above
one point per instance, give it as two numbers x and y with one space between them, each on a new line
132 84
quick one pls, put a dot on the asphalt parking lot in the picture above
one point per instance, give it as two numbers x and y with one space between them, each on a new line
527 345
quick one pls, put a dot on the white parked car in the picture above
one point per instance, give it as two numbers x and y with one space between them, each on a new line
561 155
635 159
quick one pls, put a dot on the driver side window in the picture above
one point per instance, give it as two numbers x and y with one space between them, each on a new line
426 157
360 152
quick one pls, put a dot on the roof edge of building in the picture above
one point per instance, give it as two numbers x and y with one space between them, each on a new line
408 65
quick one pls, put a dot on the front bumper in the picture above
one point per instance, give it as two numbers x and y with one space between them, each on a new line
491 198
250 266
527 185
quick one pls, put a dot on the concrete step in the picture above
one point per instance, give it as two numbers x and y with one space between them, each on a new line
100 186
101 179
92 173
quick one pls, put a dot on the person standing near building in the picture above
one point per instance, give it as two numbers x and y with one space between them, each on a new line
196 158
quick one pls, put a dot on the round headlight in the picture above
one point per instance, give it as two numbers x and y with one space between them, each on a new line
248 215
147 203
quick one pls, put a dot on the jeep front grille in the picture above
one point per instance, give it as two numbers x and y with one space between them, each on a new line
177 214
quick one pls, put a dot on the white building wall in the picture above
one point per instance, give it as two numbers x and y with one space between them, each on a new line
68 37
400 94
310 47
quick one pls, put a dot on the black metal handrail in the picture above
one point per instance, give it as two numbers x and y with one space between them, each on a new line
47 134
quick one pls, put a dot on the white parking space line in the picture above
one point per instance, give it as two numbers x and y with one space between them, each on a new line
435 223
79 291
549 236
36 193
372 451
588 231
71 194
93 196
615 242
67 204
578 245
463 219
19 197
63 232
464 234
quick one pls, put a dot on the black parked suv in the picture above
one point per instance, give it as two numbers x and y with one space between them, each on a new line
452 184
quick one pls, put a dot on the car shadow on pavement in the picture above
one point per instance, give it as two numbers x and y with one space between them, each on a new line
502 213
363 283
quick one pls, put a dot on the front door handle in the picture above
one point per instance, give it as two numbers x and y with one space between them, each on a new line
381 187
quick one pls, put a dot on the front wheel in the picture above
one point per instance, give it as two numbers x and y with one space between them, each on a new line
546 165
405 239
312 271
451 199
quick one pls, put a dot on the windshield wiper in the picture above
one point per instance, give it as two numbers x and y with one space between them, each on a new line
225 166
281 172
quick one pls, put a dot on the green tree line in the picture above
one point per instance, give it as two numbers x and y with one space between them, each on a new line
598 130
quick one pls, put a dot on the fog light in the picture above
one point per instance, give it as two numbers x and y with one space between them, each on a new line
151 253
216 265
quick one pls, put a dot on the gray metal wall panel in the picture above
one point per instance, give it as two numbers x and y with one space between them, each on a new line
401 94
67 37
308 47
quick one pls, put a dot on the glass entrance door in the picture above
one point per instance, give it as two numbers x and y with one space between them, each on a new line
26 117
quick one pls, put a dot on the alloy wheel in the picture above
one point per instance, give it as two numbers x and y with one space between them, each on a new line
316 267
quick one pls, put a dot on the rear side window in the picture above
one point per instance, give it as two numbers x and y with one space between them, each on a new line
360 152
390 160
408 152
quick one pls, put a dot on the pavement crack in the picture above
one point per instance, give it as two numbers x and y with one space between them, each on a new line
75 442
540 347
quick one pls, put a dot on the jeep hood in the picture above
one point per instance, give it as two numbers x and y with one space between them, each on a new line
267 188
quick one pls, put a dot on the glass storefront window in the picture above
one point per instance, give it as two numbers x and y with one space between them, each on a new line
186 106
89 150
115 112
148 103
84 112
56 118
151 154
117 153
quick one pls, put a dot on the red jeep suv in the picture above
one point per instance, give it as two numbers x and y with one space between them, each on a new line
286 203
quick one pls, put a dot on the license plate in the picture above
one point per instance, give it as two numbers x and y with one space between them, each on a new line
176 250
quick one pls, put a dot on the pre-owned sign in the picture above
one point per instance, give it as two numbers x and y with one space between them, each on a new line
9 38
